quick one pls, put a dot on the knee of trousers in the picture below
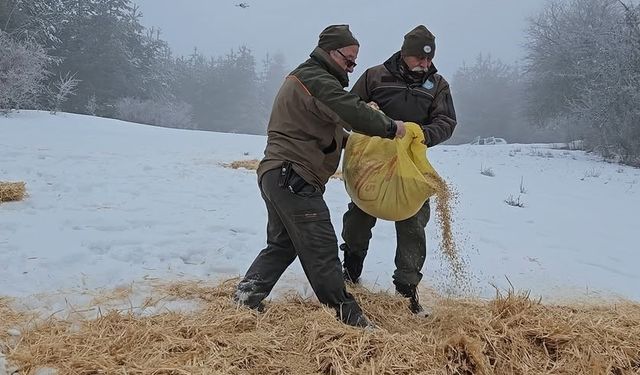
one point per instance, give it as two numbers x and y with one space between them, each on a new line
357 236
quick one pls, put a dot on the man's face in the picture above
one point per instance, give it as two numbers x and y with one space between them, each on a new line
418 64
346 57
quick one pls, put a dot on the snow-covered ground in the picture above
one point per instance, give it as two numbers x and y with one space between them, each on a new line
111 203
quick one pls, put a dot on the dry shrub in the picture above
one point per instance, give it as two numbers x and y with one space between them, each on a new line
12 191
252 165
508 335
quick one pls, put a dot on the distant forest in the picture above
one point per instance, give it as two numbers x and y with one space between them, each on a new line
580 79
95 57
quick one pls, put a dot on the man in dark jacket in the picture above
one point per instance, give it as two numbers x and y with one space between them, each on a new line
304 142
407 87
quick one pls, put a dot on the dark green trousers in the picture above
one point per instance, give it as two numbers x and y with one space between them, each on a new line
298 226
411 239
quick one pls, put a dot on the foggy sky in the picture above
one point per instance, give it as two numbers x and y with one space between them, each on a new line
463 28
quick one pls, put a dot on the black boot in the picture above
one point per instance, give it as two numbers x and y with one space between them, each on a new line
352 265
351 314
259 307
411 292
359 320
246 295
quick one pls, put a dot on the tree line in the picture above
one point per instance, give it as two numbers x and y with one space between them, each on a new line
580 80
95 57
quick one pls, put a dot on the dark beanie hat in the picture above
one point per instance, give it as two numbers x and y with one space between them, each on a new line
336 36
419 42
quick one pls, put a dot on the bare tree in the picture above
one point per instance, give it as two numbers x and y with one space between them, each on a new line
584 73
63 88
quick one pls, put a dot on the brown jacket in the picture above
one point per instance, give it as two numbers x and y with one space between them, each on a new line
309 116
425 100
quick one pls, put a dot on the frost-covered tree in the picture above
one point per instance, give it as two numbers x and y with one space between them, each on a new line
34 20
608 104
584 73
63 88
105 45
122 69
563 47
160 72
22 72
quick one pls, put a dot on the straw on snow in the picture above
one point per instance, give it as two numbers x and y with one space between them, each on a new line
12 191
510 334
252 164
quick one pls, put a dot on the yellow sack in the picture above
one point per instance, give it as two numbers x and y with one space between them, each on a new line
389 179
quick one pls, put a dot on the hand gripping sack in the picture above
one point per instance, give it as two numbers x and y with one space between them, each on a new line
389 178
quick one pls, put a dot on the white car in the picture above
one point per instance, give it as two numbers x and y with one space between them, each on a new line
489 141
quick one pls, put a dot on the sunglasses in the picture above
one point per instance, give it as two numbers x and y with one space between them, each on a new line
350 63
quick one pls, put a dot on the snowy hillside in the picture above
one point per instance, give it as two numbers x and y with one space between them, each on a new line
112 203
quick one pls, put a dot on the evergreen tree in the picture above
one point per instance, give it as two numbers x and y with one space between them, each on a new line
194 75
235 94
33 20
104 45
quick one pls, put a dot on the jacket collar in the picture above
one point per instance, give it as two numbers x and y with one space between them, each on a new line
398 68
322 58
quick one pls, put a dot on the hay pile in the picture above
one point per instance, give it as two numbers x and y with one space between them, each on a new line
252 165
509 335
12 191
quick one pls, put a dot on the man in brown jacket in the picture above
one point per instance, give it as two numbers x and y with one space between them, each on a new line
407 87
304 142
